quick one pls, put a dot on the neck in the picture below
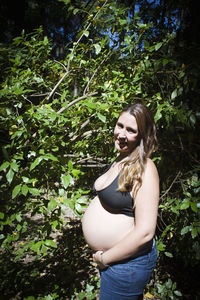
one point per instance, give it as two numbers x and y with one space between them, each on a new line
122 157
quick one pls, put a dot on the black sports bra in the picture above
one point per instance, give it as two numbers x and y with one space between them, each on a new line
115 201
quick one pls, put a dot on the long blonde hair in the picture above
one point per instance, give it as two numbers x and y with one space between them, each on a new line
131 174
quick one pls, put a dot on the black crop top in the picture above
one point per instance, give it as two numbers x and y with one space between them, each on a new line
115 201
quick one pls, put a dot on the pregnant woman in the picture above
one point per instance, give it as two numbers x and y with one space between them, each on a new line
119 224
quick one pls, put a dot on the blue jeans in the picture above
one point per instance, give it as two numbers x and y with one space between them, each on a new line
128 278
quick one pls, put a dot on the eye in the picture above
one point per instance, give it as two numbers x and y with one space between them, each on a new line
131 130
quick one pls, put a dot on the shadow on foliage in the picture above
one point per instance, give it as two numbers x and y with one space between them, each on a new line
66 270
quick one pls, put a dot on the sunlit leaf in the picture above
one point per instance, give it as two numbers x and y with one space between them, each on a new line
35 163
101 117
157 46
86 33
174 94
50 243
66 180
34 191
24 190
4 166
97 48
16 191
10 175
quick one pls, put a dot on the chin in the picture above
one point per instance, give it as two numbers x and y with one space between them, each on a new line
121 150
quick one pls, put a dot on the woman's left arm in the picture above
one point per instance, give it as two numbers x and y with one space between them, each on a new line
146 211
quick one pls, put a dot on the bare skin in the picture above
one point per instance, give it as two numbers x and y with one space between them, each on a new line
102 229
118 235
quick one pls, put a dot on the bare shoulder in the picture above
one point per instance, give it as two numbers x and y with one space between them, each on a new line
150 165
150 175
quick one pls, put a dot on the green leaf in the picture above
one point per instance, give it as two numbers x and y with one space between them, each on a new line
4 166
10 175
25 179
45 40
169 284
51 157
75 11
157 46
165 61
178 293
34 191
122 22
50 243
185 204
86 33
174 94
18 218
65 1
16 191
141 25
1 215
146 44
161 246
35 163
14 166
185 230
97 48
168 254
36 246
193 206
52 204
70 165
66 180
101 117
194 232
127 39
30 297
158 115
24 190
192 119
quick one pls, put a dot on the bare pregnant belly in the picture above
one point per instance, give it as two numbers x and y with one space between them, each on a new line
102 229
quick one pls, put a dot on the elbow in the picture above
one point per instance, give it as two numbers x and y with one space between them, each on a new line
147 237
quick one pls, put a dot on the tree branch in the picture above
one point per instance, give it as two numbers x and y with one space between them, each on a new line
169 188
56 86
93 75
76 43
75 101
61 65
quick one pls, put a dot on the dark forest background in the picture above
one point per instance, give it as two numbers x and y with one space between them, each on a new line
67 68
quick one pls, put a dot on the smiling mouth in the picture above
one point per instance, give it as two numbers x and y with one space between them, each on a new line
122 144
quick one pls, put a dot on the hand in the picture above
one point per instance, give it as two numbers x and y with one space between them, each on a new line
97 257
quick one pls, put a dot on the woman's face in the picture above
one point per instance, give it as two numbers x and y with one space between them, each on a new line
126 133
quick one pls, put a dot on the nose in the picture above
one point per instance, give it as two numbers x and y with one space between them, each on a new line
122 134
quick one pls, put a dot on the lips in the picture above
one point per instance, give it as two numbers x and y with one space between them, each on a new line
121 144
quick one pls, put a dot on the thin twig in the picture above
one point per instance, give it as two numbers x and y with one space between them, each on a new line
27 100
39 95
61 65
94 166
56 86
93 75
76 43
160 87
85 123
179 173
75 101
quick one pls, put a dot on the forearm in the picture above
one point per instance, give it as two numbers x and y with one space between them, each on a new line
129 246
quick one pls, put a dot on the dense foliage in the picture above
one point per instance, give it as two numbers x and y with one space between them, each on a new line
57 119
